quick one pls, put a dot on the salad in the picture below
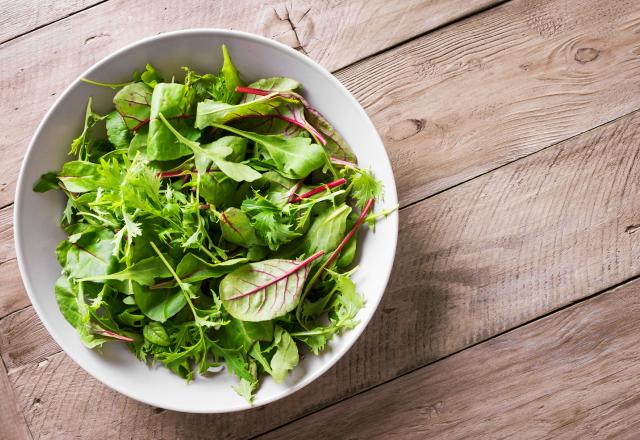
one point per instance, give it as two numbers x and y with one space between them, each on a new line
211 222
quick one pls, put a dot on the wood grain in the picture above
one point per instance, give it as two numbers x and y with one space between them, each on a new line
12 294
24 340
483 92
20 17
12 423
570 375
472 262
38 67
7 250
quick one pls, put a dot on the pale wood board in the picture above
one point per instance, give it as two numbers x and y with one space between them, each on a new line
483 92
12 294
20 17
473 262
7 251
12 423
24 340
572 375
40 65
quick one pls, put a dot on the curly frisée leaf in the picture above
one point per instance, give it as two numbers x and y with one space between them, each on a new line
266 289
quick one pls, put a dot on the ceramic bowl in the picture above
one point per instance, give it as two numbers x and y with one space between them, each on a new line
37 230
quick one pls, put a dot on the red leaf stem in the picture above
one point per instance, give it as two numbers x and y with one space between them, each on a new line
348 237
253 91
344 163
319 189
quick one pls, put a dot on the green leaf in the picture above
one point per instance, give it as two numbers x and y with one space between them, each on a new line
133 102
348 252
274 84
159 304
73 307
79 144
328 229
365 187
217 189
213 112
243 334
79 176
264 290
151 76
285 357
117 131
155 333
245 389
295 157
237 229
231 77
235 362
272 230
216 152
86 253
172 101
192 268
144 272
46 182
138 144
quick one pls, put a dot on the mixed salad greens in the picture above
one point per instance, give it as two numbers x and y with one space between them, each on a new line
215 222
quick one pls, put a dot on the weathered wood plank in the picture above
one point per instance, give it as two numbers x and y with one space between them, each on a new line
478 94
24 340
18 18
12 423
472 262
36 68
570 375
12 294
7 250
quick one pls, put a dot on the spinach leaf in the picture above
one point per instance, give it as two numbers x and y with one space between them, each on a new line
295 157
80 176
231 77
172 101
155 333
87 252
328 229
158 304
143 272
192 268
46 182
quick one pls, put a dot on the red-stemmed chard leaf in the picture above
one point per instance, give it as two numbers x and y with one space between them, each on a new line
265 290
333 142
319 189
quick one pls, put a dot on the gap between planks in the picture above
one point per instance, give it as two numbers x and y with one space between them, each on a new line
564 375
626 283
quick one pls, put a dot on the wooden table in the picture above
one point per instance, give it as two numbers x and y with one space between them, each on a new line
514 132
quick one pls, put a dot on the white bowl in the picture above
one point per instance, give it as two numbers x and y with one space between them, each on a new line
37 231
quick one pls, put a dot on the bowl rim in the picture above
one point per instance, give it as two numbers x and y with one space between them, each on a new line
390 195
